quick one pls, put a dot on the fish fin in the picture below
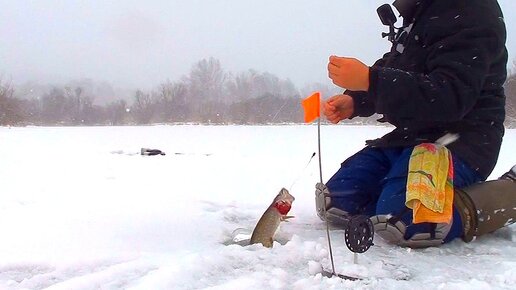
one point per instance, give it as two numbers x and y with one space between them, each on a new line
286 217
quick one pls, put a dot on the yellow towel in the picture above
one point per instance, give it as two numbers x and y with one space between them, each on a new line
430 184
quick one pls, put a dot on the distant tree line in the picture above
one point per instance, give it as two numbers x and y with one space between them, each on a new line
208 94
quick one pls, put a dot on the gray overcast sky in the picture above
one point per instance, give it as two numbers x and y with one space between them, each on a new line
142 43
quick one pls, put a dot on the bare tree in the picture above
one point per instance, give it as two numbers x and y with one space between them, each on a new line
10 110
74 97
206 85
510 101
173 102
116 112
267 84
243 86
207 80
143 107
251 84
56 108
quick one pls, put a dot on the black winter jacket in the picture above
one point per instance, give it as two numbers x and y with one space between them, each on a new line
444 74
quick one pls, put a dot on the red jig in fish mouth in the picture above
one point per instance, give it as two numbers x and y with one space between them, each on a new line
283 207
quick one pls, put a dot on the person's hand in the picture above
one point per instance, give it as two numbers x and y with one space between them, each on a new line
338 108
349 73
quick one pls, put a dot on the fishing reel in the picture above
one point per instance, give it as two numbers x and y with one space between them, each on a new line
358 234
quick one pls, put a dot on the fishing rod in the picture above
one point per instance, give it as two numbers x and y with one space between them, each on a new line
334 273
358 230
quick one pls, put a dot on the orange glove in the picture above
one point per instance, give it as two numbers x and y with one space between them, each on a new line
338 108
349 73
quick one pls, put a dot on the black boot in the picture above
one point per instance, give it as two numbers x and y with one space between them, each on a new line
324 208
487 206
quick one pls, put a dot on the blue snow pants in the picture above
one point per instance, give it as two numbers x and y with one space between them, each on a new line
373 182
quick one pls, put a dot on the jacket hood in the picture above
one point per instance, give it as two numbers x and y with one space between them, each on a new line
407 8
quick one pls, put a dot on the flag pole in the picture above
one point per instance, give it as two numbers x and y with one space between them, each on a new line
312 107
321 179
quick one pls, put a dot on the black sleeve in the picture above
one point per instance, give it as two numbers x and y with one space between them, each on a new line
362 106
456 66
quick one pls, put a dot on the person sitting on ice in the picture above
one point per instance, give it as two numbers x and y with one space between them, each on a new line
444 75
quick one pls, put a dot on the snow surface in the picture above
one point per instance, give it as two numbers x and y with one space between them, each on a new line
81 209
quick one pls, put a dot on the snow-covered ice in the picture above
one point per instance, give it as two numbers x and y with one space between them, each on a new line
81 209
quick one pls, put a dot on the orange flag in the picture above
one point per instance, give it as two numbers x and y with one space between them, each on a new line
312 107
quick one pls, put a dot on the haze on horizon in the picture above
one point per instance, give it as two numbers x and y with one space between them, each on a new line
136 44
